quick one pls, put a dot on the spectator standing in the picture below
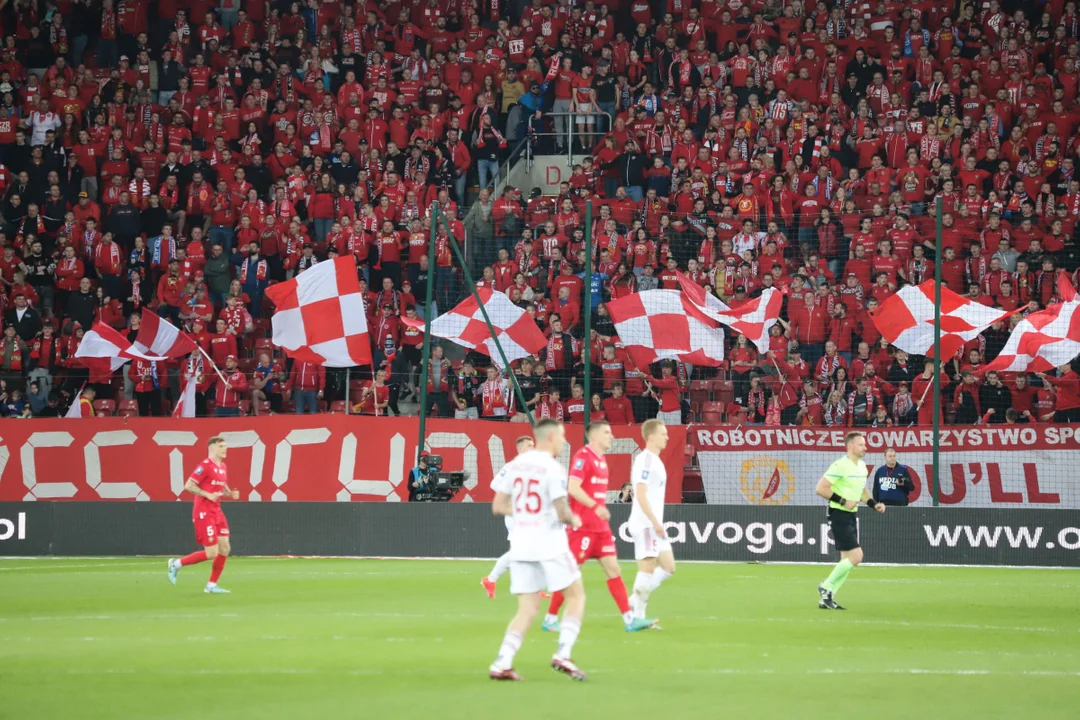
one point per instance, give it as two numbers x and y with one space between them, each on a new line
892 482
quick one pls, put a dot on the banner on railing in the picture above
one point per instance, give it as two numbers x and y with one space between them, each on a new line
276 458
1031 466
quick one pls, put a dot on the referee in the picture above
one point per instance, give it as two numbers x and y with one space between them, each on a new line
844 486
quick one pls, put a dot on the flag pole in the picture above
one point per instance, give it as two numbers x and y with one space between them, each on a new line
936 492
426 354
212 364
483 311
586 352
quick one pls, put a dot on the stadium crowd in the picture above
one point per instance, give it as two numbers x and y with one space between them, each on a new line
181 156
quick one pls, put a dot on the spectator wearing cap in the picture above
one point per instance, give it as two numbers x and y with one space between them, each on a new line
307 382
231 391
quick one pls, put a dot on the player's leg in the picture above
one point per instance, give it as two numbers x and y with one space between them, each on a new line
846 536
206 537
647 551
501 566
565 575
615 585
526 581
223 549
580 543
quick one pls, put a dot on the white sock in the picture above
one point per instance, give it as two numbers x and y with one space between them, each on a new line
510 645
549 618
211 584
571 628
642 589
659 576
501 566
628 616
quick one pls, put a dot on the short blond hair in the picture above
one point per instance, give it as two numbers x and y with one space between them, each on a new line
650 427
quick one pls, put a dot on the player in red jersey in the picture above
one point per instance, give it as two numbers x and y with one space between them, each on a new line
208 483
588 495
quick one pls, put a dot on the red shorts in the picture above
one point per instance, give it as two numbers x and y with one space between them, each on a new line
586 544
209 526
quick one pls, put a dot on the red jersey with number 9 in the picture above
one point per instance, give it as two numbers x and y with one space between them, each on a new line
590 468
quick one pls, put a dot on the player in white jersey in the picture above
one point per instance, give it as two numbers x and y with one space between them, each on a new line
651 545
532 490
524 444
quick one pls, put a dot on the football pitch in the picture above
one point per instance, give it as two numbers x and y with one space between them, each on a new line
306 638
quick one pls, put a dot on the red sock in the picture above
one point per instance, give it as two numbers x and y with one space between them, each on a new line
617 588
218 566
556 602
193 558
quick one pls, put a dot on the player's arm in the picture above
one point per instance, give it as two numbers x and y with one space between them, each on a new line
574 490
566 516
825 489
233 494
869 500
193 487
501 505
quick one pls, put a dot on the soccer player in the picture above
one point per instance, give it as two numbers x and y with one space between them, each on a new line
652 549
524 444
844 486
532 490
594 539
208 483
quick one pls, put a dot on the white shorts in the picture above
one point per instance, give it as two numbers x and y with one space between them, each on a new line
648 545
509 527
536 576
584 118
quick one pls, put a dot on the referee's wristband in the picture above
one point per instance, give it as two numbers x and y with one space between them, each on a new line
837 499
871 503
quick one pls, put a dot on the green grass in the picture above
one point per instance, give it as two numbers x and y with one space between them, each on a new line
321 639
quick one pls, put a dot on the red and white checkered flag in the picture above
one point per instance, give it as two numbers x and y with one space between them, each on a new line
516 330
320 316
906 320
660 324
1044 340
752 318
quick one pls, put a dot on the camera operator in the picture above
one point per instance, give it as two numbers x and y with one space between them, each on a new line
419 477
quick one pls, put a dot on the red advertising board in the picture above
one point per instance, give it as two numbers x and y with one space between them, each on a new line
283 457
982 466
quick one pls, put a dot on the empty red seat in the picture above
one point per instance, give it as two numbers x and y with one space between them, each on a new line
104 408
129 408
338 406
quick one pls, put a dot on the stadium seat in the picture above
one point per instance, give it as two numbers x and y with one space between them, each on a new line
245 407
725 392
129 408
693 490
262 328
105 408
689 456
712 413
247 366
339 406
700 391
263 345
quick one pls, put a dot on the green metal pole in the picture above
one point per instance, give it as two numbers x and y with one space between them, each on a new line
427 332
586 352
937 353
438 213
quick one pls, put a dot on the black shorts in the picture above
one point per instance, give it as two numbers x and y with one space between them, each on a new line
845 529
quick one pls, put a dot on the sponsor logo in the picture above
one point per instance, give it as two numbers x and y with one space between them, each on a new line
13 529
579 464
766 480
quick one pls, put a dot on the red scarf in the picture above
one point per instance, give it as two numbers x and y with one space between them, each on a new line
493 397
260 271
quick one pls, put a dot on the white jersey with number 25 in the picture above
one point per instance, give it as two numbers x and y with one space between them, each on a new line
534 480
649 469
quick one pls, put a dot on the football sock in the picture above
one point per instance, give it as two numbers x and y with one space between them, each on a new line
659 576
195 557
501 566
556 605
617 588
217 567
642 589
571 627
838 575
510 645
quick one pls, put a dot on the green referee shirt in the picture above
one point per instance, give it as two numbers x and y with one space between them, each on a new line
848 480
